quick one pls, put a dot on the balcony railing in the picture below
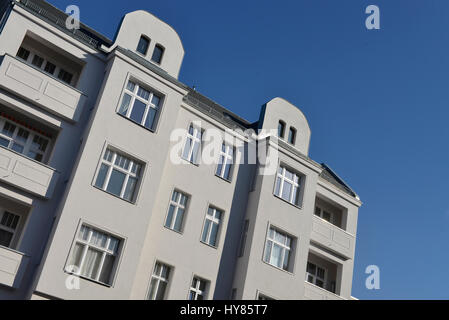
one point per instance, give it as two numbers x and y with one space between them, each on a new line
313 292
41 89
332 237
26 174
13 266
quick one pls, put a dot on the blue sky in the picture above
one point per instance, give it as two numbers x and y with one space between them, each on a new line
377 103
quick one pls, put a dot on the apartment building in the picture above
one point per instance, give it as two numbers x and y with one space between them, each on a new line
95 203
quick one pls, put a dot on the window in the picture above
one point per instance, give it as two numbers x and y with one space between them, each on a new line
315 275
50 68
37 61
8 227
23 54
118 175
211 227
159 282
224 168
288 185
192 148
157 54
29 143
198 289
143 45
323 214
94 255
140 105
176 211
278 249
292 135
65 76
281 129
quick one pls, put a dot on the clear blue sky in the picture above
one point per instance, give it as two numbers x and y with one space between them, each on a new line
377 103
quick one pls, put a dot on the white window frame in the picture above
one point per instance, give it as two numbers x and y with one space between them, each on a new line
196 290
270 241
213 220
159 278
27 147
195 140
148 103
296 185
15 232
228 159
177 204
105 251
58 68
315 277
128 173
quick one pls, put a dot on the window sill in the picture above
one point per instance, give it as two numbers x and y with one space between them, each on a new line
136 123
292 204
224 179
113 195
88 279
175 231
277 268
190 162
209 245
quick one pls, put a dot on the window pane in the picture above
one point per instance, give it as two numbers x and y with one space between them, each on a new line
227 172
106 271
153 287
157 54
75 260
277 190
206 230
161 290
276 255
179 218
5 238
102 176
286 191
195 153
156 100
4 142
125 104
23 53
9 129
326 216
169 220
214 234
187 148
50 68
39 144
130 86
151 119
286 259
17 147
143 44
116 182
37 61
267 251
91 264
130 188
138 111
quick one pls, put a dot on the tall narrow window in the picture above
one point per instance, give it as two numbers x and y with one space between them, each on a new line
288 185
198 289
8 226
37 61
224 168
118 175
23 53
159 282
212 226
158 54
176 211
315 274
192 148
94 255
281 129
142 46
24 141
277 249
65 76
140 105
292 135
243 238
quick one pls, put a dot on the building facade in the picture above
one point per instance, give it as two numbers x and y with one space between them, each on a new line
104 191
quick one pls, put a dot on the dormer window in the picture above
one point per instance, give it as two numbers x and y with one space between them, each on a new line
292 135
281 129
157 54
143 45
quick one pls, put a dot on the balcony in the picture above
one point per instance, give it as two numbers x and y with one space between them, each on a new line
313 292
332 237
41 89
13 265
27 174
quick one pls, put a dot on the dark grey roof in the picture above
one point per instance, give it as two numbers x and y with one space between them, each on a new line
329 175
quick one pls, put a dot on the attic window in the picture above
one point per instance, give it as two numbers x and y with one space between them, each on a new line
281 129
292 135
143 45
157 54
